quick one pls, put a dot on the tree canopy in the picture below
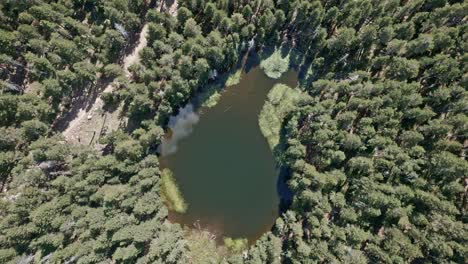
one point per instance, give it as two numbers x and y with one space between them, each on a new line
374 136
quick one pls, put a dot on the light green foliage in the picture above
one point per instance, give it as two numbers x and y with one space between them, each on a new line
7 254
235 244
112 71
126 254
128 149
234 78
210 95
281 100
266 250
276 64
203 248
191 28
171 193
112 193
212 100
212 92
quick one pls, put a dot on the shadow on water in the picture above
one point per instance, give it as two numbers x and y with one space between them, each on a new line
252 62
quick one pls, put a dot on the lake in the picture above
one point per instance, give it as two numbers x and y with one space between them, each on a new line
222 163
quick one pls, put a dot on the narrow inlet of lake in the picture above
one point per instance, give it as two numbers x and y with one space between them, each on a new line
222 163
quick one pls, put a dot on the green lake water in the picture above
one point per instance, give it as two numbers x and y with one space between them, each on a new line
222 163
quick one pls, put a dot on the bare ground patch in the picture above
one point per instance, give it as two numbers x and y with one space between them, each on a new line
88 120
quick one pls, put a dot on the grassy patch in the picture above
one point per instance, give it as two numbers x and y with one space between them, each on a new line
234 78
275 65
171 193
281 100
203 248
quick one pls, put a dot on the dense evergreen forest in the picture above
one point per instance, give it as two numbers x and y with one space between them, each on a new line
375 135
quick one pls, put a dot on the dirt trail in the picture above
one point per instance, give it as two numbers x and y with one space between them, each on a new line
134 57
169 6
92 119
173 8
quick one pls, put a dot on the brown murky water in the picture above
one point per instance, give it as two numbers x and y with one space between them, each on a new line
224 167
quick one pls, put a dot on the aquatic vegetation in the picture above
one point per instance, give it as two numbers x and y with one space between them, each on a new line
281 100
234 78
170 192
211 95
212 92
275 65
212 100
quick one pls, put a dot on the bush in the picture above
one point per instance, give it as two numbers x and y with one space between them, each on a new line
110 99
112 71
236 245
33 130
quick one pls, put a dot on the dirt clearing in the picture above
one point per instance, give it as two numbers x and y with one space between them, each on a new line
92 121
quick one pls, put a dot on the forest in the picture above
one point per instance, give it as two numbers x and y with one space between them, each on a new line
374 137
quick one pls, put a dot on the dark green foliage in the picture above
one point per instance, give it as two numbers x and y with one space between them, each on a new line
377 155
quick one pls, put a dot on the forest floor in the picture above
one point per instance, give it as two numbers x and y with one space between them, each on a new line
173 8
88 120
91 119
